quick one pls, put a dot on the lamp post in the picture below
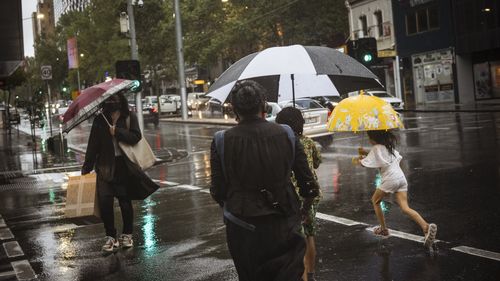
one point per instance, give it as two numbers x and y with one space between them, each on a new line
180 59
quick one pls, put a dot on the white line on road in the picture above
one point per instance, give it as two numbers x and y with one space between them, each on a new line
2 223
5 234
472 128
12 249
394 233
187 186
440 128
477 252
23 270
169 183
7 274
339 220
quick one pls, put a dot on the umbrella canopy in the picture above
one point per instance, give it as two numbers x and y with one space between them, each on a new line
268 66
89 100
363 113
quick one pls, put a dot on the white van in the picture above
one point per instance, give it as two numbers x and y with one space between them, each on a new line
166 105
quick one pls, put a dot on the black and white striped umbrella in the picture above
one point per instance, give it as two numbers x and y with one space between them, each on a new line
308 66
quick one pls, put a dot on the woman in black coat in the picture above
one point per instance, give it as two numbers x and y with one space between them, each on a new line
116 175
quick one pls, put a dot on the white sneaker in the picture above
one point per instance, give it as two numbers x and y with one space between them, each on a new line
126 240
430 236
110 245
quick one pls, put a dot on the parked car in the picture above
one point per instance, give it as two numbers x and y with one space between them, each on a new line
197 100
215 105
149 112
395 102
315 116
175 99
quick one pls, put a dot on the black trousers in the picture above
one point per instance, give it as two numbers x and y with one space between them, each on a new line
273 252
106 204
117 188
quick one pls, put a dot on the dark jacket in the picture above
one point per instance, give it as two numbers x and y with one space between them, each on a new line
258 155
100 155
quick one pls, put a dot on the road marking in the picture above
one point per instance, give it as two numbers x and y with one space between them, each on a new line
7 274
5 234
187 186
12 249
2 223
472 128
393 233
339 220
478 252
440 128
23 270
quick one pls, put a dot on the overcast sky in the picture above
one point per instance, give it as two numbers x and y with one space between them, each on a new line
29 6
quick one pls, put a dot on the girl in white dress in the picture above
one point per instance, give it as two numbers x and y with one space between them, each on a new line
385 157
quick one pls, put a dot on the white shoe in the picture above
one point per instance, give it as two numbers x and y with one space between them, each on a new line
430 236
110 245
126 240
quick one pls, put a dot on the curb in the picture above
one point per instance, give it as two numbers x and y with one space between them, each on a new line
207 121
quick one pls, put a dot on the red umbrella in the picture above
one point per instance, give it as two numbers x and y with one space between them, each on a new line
89 100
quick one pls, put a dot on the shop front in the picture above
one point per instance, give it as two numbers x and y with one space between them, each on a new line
433 77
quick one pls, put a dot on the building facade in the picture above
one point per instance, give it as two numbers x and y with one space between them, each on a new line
425 43
477 31
43 19
373 18
64 6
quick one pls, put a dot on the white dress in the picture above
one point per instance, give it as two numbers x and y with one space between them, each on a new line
393 178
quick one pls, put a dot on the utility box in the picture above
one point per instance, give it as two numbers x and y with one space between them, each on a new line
56 145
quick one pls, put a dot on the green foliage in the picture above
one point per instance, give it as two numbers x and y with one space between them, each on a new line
213 32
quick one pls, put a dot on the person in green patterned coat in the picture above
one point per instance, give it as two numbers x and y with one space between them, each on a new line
293 117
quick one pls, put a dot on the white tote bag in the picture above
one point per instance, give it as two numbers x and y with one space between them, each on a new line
139 153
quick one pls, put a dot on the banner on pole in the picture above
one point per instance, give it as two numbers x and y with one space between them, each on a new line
72 53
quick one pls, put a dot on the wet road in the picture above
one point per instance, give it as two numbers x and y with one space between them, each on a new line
451 161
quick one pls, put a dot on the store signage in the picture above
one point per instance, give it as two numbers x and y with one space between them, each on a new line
386 53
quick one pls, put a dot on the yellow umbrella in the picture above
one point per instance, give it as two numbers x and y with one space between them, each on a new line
363 113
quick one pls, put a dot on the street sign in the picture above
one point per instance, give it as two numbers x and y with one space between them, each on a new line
386 53
46 72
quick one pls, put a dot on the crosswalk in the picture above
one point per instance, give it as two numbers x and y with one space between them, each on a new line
348 222
13 262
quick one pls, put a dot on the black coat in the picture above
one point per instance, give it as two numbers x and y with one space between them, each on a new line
258 155
100 156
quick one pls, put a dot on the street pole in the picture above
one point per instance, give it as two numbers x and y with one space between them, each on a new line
50 107
135 56
78 75
397 77
180 59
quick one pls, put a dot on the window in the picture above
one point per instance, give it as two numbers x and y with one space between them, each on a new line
411 23
422 23
379 24
422 20
363 26
433 18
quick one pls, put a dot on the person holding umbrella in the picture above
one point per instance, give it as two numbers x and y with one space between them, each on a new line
251 165
385 157
115 124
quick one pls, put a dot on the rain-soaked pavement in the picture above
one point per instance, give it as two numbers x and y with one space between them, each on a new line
451 161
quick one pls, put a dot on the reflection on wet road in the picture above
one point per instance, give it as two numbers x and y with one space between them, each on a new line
450 159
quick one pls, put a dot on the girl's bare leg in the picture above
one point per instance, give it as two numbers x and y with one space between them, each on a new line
402 199
376 199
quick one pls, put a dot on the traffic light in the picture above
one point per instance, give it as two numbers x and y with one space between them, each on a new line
131 70
363 50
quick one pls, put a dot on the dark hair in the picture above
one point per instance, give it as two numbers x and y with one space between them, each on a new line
292 117
385 138
248 98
